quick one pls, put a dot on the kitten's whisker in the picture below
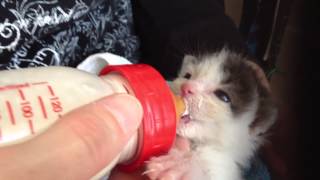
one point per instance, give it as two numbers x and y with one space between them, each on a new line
200 102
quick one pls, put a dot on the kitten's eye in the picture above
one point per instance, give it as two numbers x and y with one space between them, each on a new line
187 76
223 96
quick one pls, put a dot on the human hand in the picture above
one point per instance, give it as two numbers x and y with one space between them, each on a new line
78 145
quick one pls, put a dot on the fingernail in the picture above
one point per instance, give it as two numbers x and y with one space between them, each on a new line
126 109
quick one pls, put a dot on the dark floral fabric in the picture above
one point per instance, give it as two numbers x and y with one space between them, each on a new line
56 32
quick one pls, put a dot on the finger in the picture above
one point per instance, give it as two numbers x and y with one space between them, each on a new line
78 145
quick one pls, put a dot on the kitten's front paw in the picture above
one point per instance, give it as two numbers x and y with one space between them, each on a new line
175 165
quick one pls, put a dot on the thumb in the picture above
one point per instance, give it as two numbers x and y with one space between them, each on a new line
80 144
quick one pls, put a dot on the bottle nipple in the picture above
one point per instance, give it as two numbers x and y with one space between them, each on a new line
180 106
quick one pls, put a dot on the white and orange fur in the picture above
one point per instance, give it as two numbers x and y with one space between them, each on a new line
229 110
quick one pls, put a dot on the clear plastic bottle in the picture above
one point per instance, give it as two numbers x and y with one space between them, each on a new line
31 100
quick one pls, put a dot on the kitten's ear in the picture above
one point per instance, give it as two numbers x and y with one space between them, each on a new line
188 60
260 75
267 111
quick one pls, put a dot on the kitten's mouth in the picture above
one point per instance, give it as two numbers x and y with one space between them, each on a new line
186 118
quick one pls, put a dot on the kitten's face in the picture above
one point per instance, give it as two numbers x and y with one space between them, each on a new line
221 92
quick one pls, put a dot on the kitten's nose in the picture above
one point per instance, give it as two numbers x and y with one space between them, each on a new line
187 90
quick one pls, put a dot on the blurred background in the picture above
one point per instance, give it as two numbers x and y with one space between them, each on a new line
284 35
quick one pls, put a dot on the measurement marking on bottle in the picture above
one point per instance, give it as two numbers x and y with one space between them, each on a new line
21 94
26 109
10 112
43 108
51 90
14 86
31 126
39 83
56 105
55 101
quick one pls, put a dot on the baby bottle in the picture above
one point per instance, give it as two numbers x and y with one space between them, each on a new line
32 99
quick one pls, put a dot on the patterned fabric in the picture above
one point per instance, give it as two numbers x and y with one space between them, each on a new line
56 32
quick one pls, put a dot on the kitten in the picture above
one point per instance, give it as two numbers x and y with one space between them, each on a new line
229 110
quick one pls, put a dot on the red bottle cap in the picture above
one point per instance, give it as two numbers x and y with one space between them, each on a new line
158 129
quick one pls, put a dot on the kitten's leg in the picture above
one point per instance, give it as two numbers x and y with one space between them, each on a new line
170 166
176 165
179 164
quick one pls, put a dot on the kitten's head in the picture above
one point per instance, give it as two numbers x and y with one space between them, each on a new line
227 96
